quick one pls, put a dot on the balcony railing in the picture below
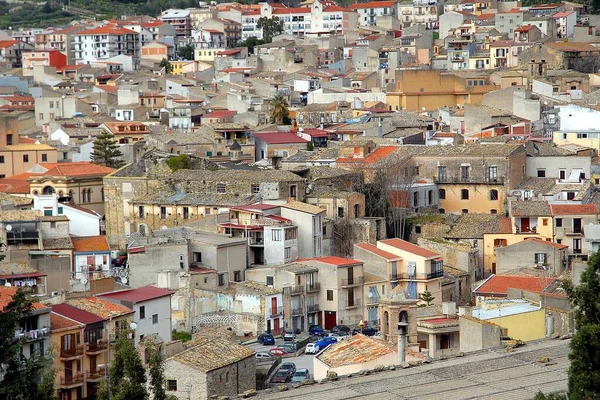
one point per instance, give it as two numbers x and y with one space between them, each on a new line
313 287
77 351
33 335
97 347
297 311
356 281
420 276
353 304
72 380
393 276
469 179
296 290
98 374
312 308
571 231
275 311
256 241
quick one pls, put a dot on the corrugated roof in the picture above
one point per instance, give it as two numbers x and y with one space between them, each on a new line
76 314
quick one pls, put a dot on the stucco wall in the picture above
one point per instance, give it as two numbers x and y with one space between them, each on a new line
477 335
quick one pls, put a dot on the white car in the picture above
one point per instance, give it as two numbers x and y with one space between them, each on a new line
311 348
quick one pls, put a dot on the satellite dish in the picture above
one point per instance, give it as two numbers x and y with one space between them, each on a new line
84 280
133 326
8 228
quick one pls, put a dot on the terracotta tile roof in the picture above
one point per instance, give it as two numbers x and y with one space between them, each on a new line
76 314
58 323
17 269
377 155
335 260
409 247
100 307
75 169
574 47
90 244
279 138
373 4
27 147
573 209
356 349
303 207
547 243
8 43
207 354
336 8
107 30
373 249
530 208
138 295
297 10
498 285
6 296
221 114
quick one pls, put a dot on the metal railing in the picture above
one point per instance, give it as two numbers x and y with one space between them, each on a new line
569 230
100 345
99 373
274 311
296 290
74 352
32 335
313 287
353 304
72 380
358 280
420 276
312 308
469 179
298 311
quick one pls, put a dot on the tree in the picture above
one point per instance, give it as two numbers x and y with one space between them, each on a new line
250 43
156 365
106 151
584 372
310 146
127 376
186 52
24 378
270 27
166 65
427 297
279 109
181 161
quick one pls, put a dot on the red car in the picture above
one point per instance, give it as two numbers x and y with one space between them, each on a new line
277 351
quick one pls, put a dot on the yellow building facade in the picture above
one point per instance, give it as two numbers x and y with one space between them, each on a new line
472 198
524 326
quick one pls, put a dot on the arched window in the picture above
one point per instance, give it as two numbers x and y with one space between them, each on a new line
83 195
35 192
442 193
48 190
61 193
89 194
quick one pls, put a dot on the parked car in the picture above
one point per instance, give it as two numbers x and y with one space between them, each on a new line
281 377
266 339
340 328
300 375
339 335
289 336
316 330
367 331
262 355
289 347
288 366
326 341
277 351
311 348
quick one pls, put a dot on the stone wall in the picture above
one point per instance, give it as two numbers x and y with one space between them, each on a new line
232 379
455 255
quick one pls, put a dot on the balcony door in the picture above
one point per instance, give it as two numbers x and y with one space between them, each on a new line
525 225
273 305
350 297
350 275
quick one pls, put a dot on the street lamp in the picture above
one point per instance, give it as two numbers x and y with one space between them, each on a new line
402 330
361 325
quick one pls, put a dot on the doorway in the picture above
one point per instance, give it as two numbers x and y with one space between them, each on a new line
330 319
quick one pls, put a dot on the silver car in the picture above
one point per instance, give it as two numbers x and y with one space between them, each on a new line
300 375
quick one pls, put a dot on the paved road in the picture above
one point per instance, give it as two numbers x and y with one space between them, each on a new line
302 361
491 375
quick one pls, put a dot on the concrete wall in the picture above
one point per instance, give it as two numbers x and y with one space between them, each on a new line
320 368
522 255
516 100
143 267
553 165
458 256
306 234
478 335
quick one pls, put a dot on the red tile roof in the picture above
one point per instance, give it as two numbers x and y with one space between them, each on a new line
8 43
16 184
524 28
373 249
373 4
297 10
547 243
138 295
7 294
337 261
76 314
409 247
59 322
251 12
82 168
279 138
573 209
102 308
107 30
335 8
315 132
562 14
377 155
87 244
221 114
229 52
156 22
498 285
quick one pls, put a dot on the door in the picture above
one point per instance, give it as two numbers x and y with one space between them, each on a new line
444 341
350 276
68 370
273 305
276 327
524 224
268 326
576 225
330 319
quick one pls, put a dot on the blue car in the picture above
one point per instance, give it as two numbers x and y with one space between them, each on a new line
266 339
326 341
316 330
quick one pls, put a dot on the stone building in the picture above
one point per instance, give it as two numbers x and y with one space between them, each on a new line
396 307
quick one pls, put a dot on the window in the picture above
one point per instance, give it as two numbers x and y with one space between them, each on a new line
442 194
493 211
562 174
47 213
186 212
416 199
570 195
559 222
221 188
53 225
442 174
9 139
1 159
25 158
269 281
142 312
155 318
464 173
197 256
545 221
288 253
330 295
255 188
540 258
141 213
276 235
291 233
465 210
340 212
541 173
171 385
221 279
500 242
44 157
237 276
493 174
493 194
418 229
464 194
163 212
293 191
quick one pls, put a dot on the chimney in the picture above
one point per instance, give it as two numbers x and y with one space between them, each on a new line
379 129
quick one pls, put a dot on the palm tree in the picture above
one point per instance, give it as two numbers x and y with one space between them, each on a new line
279 109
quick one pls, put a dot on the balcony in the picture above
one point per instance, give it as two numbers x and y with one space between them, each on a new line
33 335
470 179
393 276
457 59
313 287
256 241
71 381
352 304
352 282
296 290
95 376
69 354
298 311
275 311
312 308
98 347
571 231
420 276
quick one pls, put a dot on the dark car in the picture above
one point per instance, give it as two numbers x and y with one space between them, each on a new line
266 339
341 329
316 330
282 377
326 341
288 366
367 331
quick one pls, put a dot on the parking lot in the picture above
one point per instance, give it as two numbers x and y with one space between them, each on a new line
301 361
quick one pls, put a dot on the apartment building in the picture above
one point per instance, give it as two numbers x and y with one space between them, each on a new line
180 20
570 221
46 58
326 291
19 158
102 43
11 52
226 31
368 12
309 219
